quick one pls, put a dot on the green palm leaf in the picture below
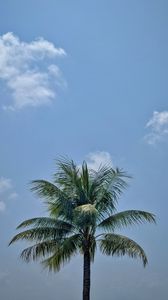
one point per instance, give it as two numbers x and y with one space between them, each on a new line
114 244
68 176
125 218
85 180
46 221
107 185
39 250
58 202
40 234
46 189
72 180
63 253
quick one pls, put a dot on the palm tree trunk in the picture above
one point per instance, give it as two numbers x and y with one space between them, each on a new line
86 276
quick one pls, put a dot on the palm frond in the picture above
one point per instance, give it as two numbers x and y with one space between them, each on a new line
39 234
85 179
114 244
105 203
67 174
126 218
69 177
46 189
39 250
106 187
47 221
59 203
98 179
63 253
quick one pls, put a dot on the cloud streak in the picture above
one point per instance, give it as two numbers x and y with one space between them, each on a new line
98 159
5 184
29 71
158 127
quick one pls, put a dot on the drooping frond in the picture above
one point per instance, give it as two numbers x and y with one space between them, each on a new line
58 202
39 250
46 189
125 218
49 222
114 244
117 182
40 234
68 247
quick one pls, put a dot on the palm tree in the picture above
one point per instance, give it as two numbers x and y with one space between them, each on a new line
81 204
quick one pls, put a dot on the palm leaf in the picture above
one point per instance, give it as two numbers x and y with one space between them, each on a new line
70 179
59 203
46 189
46 221
125 218
40 234
85 179
39 250
63 253
67 175
114 244
107 185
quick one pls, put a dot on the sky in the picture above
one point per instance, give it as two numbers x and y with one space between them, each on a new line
87 79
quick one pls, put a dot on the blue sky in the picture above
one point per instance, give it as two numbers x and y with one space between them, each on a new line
87 79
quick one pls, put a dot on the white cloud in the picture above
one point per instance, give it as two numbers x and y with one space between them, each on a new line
5 184
6 191
2 206
158 126
28 70
96 159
